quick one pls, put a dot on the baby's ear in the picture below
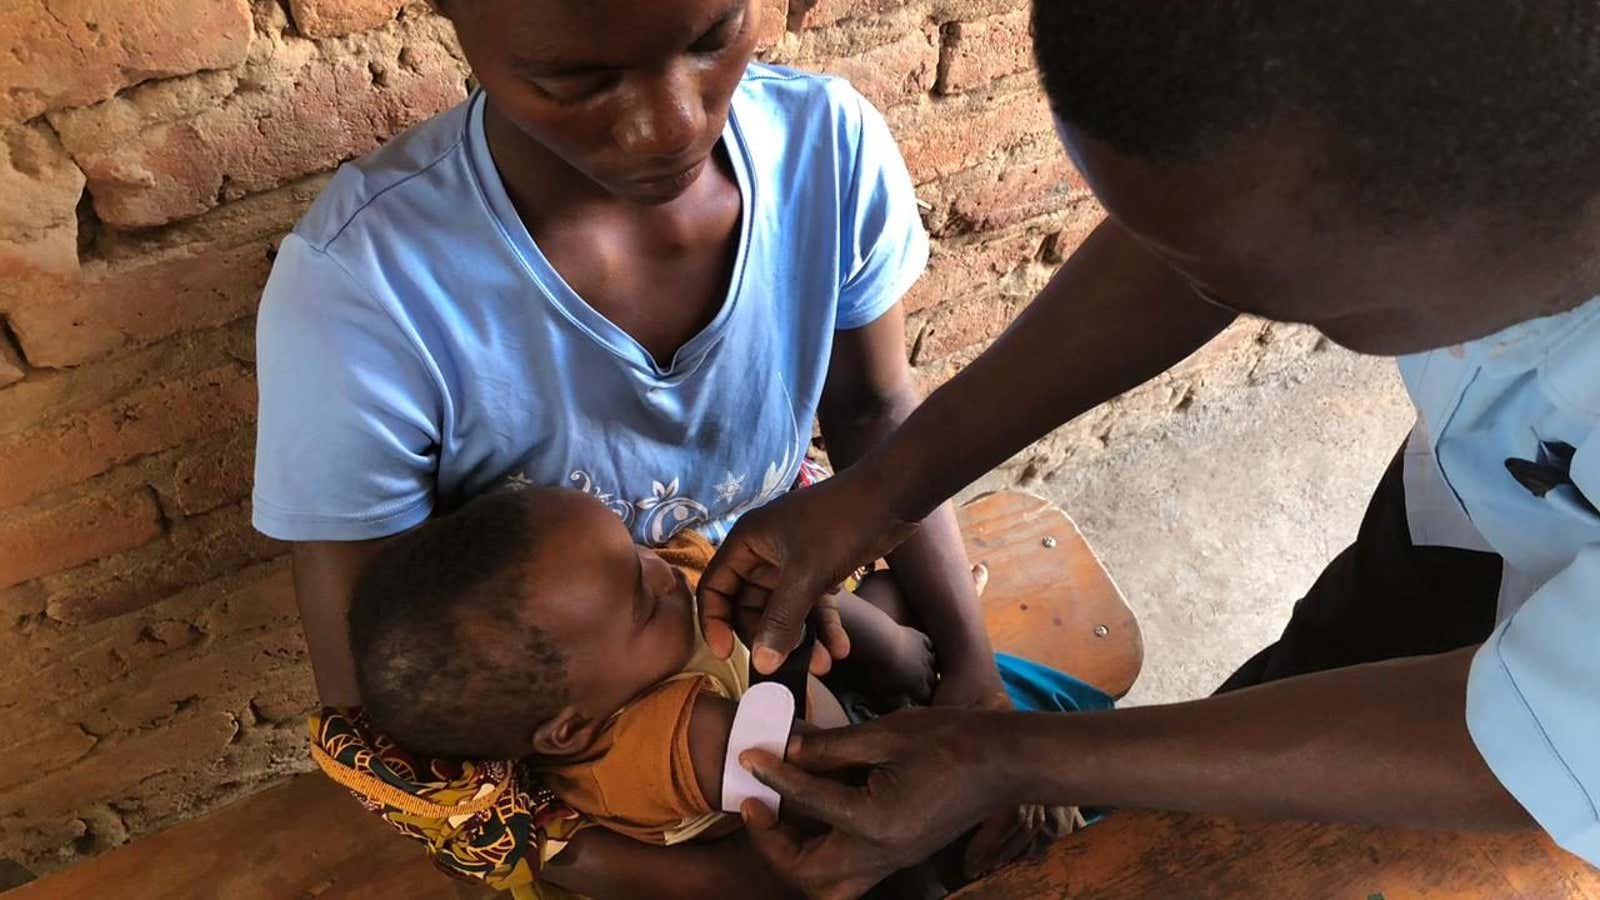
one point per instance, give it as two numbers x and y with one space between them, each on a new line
567 733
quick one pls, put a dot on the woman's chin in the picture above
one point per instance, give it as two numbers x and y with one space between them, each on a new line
659 191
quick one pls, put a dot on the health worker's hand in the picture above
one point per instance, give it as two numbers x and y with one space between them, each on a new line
782 559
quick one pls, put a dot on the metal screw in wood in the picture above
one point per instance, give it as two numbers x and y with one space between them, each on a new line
1049 543
1101 631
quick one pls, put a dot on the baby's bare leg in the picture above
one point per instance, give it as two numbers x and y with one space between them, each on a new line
880 590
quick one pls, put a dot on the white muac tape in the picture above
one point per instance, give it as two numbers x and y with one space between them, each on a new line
762 722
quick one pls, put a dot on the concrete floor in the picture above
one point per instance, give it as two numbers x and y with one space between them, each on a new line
1215 520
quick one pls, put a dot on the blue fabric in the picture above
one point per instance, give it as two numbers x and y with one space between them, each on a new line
415 347
1037 688
1529 393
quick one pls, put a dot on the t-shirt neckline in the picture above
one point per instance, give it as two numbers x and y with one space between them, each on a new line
568 302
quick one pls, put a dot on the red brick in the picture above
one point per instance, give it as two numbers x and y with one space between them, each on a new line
41 187
326 18
54 665
818 13
957 326
210 473
135 303
945 137
81 446
893 73
55 393
774 21
258 597
977 53
12 368
196 274
308 108
55 747
195 551
959 270
39 543
81 51
1002 194
971 10
115 768
221 677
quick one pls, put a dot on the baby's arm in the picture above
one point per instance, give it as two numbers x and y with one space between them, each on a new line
712 720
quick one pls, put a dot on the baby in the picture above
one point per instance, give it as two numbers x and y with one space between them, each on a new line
527 625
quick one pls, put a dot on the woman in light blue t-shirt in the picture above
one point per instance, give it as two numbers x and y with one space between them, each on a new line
634 264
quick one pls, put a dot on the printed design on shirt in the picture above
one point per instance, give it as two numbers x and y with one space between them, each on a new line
663 514
774 482
729 487
666 513
585 482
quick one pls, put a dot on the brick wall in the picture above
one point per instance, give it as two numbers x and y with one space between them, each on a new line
152 153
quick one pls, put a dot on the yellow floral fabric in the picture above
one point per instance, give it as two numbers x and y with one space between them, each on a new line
481 821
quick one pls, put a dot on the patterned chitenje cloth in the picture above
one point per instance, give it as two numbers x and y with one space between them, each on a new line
481 821
488 822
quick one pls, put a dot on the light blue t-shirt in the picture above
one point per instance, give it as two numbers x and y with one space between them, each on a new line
1531 394
415 348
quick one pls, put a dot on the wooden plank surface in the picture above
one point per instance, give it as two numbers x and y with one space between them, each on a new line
1049 598
302 839
1134 854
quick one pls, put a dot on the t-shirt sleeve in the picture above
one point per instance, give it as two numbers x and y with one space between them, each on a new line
346 444
1533 705
885 247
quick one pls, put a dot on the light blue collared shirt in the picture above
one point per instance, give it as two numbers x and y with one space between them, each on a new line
1531 393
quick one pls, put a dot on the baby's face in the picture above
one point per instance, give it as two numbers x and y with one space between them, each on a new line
623 616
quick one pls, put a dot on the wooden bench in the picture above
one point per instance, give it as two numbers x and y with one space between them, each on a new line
1049 599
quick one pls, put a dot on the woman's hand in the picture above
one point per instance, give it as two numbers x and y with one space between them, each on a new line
929 778
780 559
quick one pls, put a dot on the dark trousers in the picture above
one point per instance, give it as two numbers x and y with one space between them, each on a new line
1383 598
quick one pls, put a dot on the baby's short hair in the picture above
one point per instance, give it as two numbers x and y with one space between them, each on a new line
446 661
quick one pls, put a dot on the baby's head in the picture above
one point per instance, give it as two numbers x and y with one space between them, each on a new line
515 626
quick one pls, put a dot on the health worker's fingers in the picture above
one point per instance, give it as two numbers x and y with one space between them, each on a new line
812 796
728 574
830 628
854 747
782 622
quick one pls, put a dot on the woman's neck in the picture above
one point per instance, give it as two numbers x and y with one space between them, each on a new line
536 178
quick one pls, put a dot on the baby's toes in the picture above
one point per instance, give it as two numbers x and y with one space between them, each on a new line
980 578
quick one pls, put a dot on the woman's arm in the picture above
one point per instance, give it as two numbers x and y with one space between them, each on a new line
869 392
325 574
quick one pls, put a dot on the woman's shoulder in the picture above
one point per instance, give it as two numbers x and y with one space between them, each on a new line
412 167
799 103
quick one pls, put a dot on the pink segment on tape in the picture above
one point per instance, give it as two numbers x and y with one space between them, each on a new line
762 722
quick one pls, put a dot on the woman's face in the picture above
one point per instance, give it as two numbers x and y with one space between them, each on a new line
631 93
